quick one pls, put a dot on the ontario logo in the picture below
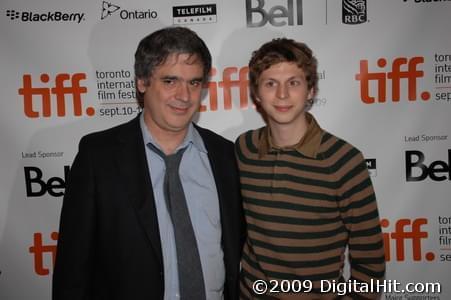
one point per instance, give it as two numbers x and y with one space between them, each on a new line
194 14
37 98
109 9
55 16
354 12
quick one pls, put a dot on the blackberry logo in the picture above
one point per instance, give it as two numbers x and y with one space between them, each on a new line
108 9
12 14
194 14
56 16
354 12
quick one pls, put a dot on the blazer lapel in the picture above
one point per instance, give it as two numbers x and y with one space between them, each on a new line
132 163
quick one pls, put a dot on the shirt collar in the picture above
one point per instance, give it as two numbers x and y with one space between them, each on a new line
192 137
308 145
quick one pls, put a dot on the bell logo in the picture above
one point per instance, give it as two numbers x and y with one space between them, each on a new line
406 229
410 74
277 15
37 187
44 107
416 170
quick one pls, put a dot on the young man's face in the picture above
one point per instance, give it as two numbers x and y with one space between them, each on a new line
283 93
173 95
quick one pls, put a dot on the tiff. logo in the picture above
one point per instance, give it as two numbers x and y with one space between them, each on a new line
40 250
406 229
60 90
409 73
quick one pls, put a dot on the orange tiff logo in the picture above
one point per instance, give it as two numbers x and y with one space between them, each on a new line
402 70
228 84
38 100
406 229
39 250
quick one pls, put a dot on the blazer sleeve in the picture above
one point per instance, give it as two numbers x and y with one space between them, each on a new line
76 240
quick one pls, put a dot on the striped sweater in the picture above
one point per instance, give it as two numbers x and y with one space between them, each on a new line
304 206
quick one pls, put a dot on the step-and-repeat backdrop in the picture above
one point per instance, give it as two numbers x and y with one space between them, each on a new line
385 86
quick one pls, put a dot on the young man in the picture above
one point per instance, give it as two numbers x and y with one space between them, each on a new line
134 226
307 193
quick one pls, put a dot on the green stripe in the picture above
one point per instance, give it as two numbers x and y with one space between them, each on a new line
361 167
296 235
298 250
326 137
291 220
367 247
298 164
287 191
363 218
290 178
366 232
333 149
368 260
288 205
288 276
299 264
359 204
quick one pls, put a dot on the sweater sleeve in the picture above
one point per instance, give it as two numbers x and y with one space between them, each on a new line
358 209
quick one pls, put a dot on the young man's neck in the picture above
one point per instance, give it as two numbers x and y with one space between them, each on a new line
285 135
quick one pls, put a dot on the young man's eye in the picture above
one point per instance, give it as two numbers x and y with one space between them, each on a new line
295 82
269 84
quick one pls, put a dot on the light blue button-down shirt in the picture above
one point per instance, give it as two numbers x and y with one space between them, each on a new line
203 205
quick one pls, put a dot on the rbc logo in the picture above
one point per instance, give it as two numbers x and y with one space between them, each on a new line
277 15
410 73
354 12
45 107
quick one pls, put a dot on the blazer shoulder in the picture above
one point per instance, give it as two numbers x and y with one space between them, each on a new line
110 136
211 137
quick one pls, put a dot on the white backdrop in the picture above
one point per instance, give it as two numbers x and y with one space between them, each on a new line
385 68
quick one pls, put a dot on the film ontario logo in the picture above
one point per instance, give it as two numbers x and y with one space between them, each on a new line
61 95
277 13
109 9
194 14
49 16
402 71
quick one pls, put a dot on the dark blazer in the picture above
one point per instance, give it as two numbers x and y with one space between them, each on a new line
109 242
